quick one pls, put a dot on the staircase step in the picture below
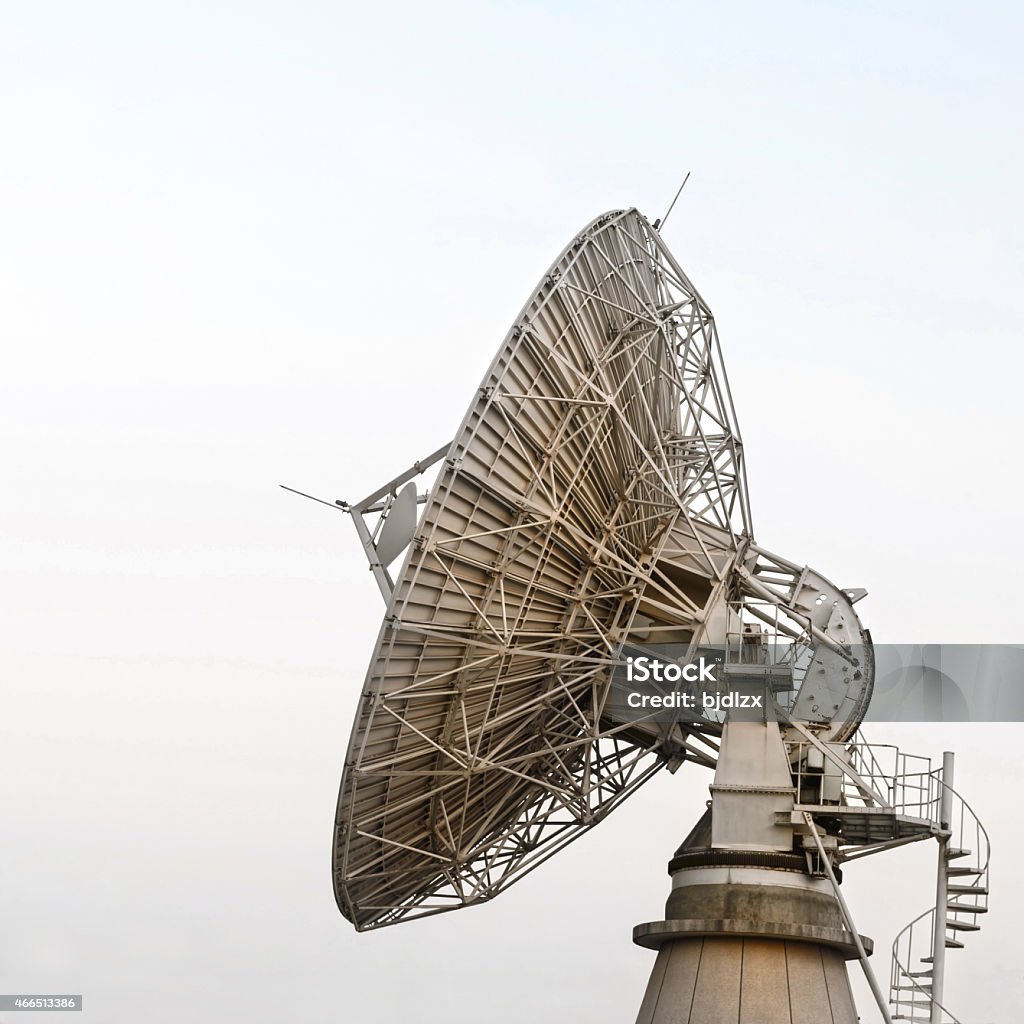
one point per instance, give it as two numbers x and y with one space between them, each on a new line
955 871
962 926
950 944
912 1018
957 851
918 974
968 908
967 890
923 989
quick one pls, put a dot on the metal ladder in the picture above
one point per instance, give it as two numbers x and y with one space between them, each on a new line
916 986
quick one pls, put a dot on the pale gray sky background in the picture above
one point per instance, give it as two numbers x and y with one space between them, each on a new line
243 244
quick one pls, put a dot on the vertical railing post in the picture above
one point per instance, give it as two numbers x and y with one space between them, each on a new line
942 888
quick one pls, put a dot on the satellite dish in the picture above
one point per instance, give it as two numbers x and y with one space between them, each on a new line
592 503
593 496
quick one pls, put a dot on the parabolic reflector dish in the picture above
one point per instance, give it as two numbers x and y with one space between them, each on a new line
594 495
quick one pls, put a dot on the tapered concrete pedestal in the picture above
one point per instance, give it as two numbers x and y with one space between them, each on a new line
725 980
749 938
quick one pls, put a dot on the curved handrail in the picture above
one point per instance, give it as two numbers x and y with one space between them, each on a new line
964 823
902 973
982 832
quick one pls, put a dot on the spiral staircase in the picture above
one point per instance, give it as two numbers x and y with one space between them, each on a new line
961 897
869 798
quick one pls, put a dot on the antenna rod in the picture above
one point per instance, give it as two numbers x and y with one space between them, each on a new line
661 223
338 506
868 972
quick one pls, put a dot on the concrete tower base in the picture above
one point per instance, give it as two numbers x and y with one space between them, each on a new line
749 937
725 980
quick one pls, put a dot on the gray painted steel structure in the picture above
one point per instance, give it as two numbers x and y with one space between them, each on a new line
595 495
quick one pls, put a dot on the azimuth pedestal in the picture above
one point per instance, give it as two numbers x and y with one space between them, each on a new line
749 938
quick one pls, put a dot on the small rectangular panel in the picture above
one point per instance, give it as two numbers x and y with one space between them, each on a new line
838 982
764 995
648 1006
808 993
676 996
716 998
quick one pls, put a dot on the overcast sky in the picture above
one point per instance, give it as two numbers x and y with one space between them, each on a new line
244 244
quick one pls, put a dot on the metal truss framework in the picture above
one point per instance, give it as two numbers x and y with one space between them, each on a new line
594 495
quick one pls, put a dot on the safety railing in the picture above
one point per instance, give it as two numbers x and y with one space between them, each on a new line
910 992
964 863
858 774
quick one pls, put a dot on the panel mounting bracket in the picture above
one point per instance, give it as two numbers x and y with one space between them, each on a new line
390 534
